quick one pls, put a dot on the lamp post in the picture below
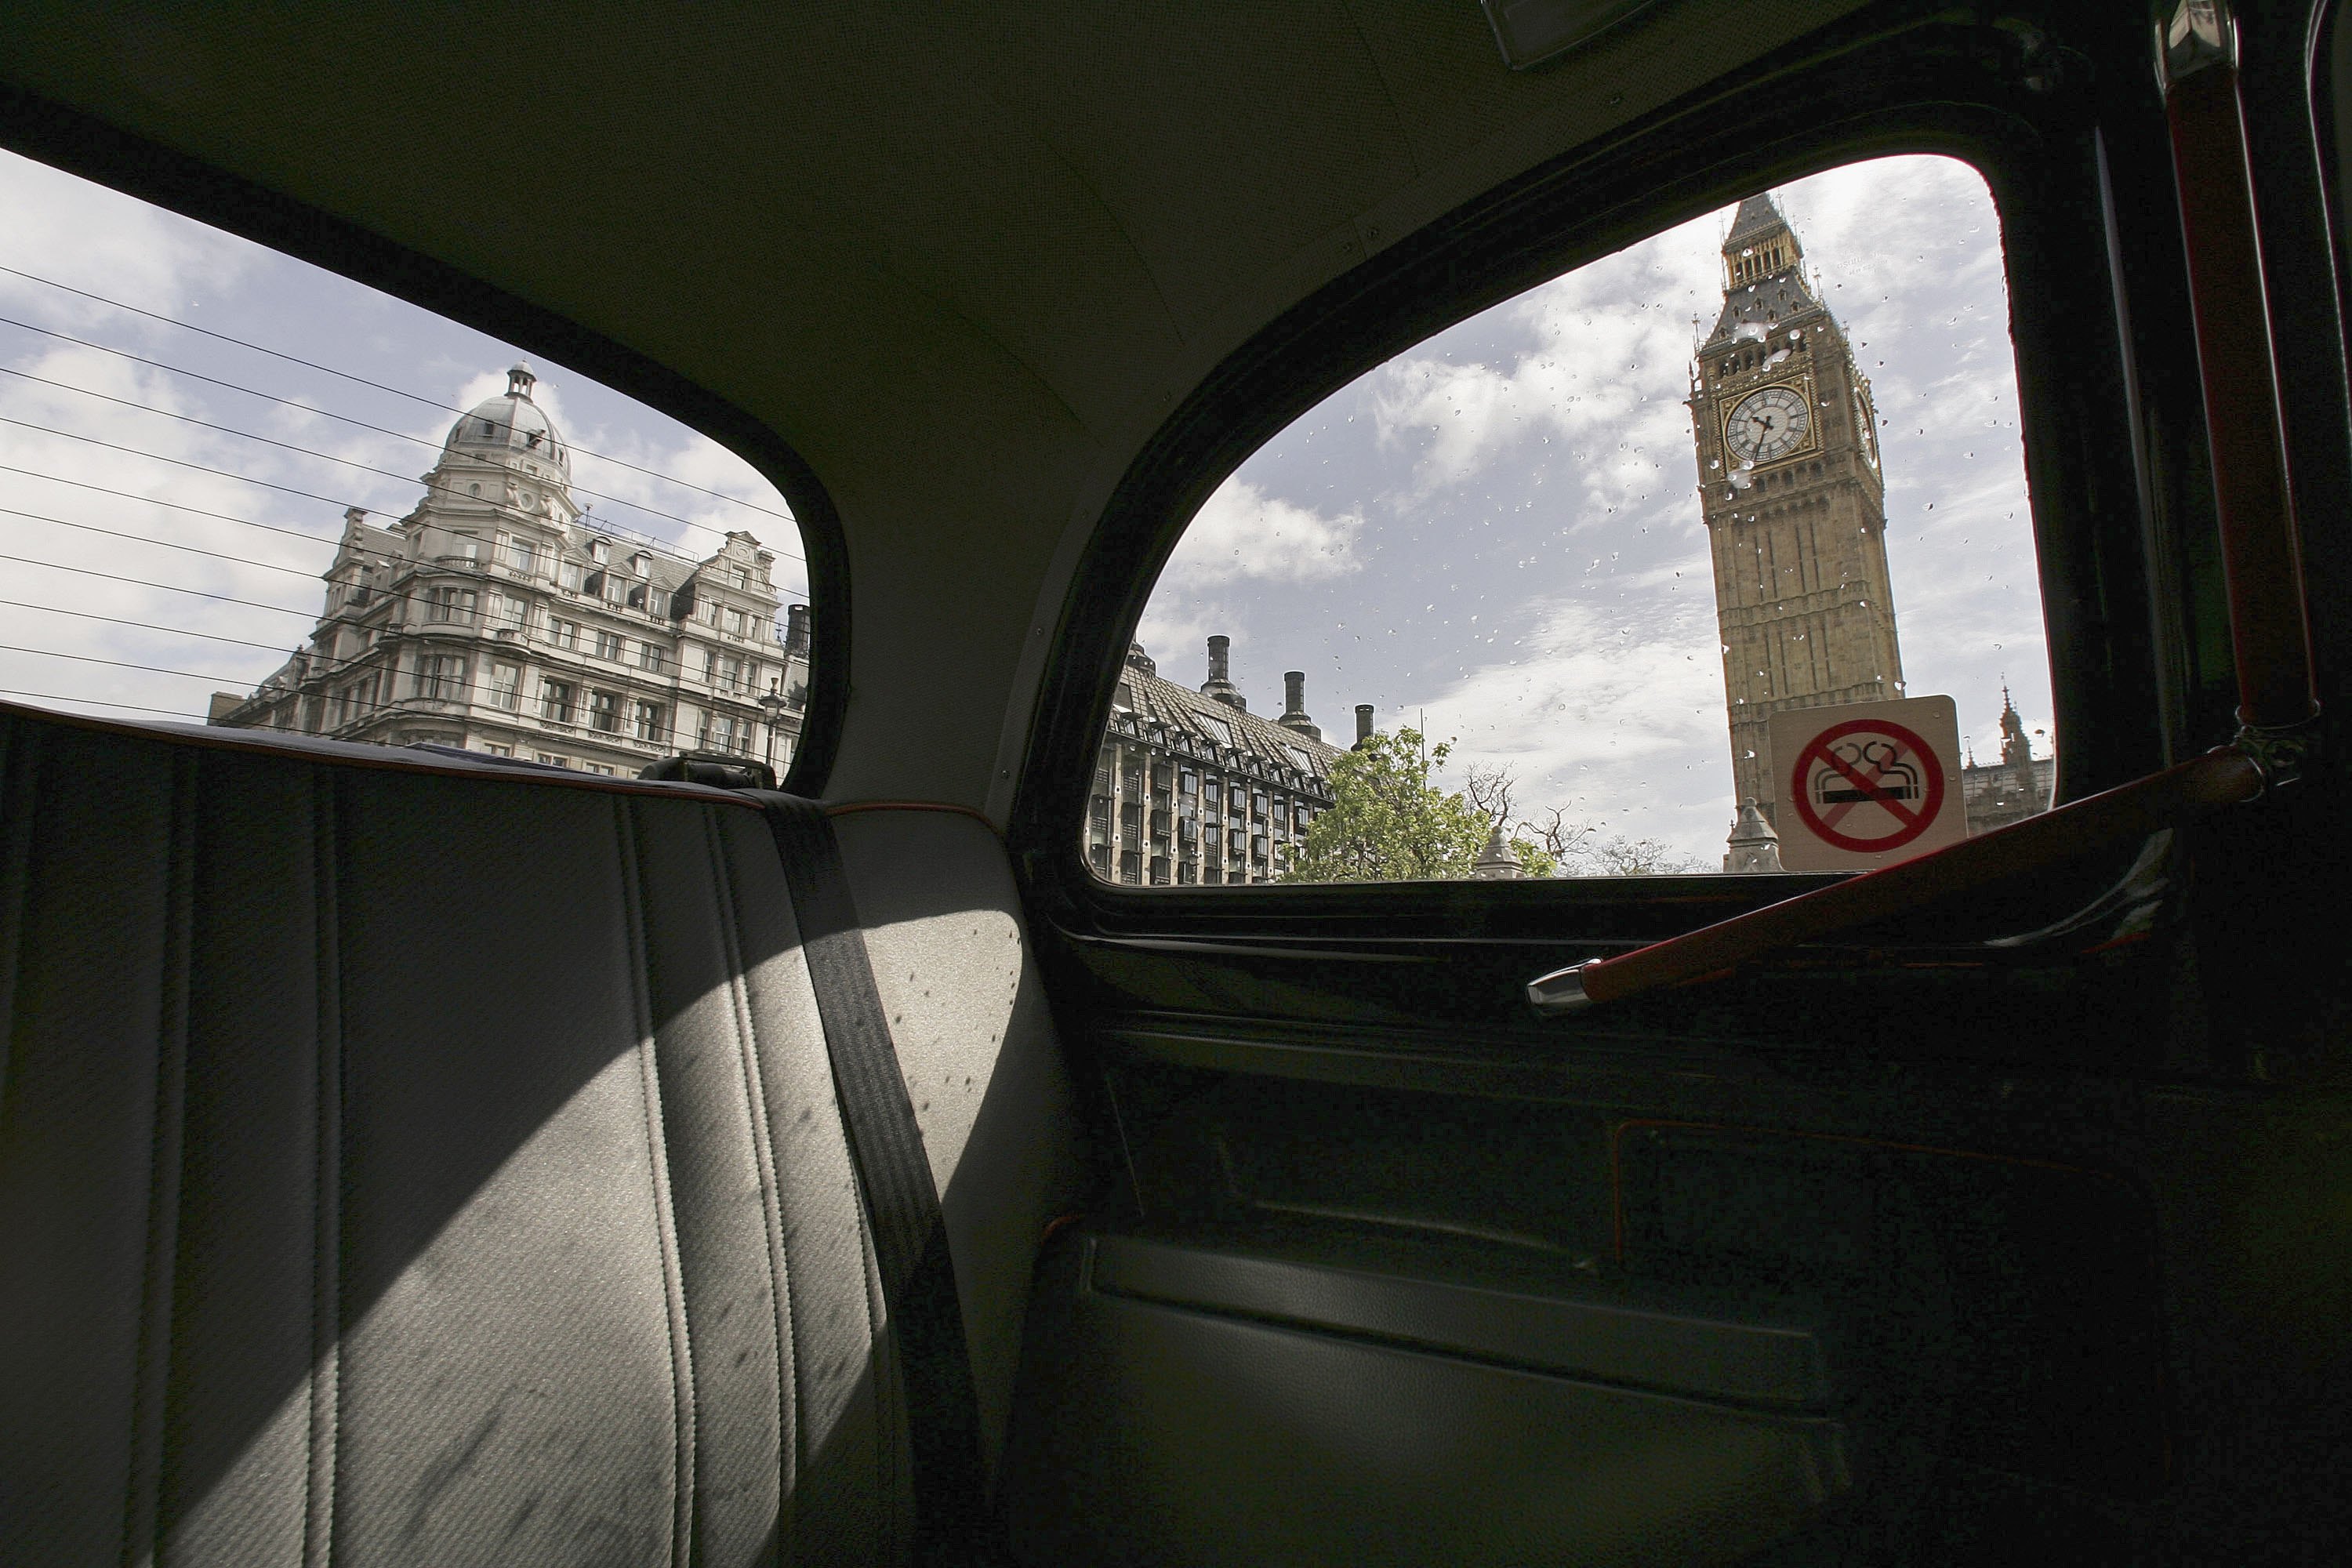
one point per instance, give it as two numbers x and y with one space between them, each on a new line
772 700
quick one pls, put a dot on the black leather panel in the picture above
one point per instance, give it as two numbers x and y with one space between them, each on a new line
1590 1336
403 1166
1151 1434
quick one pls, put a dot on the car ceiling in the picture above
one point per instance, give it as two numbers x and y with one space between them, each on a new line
964 257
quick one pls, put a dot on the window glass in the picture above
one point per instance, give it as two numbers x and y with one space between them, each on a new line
1535 591
200 430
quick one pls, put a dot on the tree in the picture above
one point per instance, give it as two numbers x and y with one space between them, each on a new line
1623 857
1542 848
1388 822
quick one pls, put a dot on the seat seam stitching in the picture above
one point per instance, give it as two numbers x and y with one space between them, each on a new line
685 1411
324 1437
20 769
762 1128
167 1141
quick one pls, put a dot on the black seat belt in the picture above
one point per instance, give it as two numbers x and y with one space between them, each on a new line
902 1204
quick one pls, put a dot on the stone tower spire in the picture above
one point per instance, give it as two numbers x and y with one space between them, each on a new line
1784 432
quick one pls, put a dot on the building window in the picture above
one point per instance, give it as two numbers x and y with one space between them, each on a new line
495 750
441 678
656 602
739 576
608 645
1669 625
602 770
652 657
648 722
725 732
505 686
604 711
567 576
520 555
733 623
445 603
600 551
563 633
507 611
552 759
555 701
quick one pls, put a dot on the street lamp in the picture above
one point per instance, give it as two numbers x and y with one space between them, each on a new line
772 700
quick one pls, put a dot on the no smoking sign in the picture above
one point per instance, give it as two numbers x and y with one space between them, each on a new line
1867 784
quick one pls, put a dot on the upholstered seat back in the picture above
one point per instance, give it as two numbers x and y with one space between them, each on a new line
419 1163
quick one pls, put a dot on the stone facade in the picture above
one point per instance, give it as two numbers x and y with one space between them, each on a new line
1192 788
498 616
1792 494
2018 787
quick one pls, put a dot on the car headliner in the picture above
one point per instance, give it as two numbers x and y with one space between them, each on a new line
963 259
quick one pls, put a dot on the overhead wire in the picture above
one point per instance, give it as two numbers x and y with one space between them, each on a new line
350 703
346 462
143 626
98 702
165 543
598 525
167 587
300 534
328 664
342 374
379 429
475 572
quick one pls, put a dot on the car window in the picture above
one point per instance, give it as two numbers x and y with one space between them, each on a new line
242 489
1532 598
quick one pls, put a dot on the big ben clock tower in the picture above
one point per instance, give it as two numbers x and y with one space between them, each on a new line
1794 504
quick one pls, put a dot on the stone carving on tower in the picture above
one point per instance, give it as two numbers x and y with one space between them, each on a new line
1793 499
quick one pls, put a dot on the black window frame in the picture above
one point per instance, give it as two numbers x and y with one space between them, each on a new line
2109 419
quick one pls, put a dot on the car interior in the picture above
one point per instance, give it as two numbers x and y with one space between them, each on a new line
408 1156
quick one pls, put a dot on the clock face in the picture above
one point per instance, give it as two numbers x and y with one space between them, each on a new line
1862 426
1768 424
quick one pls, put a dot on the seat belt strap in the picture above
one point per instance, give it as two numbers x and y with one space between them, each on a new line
894 1173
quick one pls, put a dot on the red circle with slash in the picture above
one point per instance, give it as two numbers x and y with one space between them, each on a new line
1865 778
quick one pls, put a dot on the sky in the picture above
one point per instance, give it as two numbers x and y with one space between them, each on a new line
261 569
1499 529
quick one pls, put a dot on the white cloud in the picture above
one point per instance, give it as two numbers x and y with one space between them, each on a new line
1244 533
266 545
1527 496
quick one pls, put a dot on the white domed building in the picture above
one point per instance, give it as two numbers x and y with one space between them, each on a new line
500 617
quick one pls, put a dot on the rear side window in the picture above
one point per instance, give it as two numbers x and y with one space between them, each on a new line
1532 599
241 490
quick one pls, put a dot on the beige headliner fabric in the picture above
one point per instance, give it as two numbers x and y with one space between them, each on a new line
964 258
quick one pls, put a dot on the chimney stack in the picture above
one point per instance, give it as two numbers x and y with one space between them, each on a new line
796 631
1363 722
1219 684
1293 706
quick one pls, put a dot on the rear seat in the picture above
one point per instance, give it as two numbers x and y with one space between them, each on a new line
422 1162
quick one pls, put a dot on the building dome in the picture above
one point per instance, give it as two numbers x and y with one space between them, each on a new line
511 425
